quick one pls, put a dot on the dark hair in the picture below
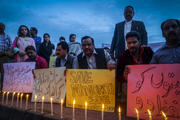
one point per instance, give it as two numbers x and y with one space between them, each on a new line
129 7
133 34
70 36
34 29
2 25
62 38
86 37
177 21
46 34
19 31
64 45
30 47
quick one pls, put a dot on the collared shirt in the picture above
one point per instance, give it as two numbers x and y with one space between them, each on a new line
92 60
167 55
40 62
37 41
127 28
5 43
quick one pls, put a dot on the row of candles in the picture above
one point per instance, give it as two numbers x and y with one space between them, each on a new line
20 95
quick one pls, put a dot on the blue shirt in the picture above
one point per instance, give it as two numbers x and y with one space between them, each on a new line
37 41
167 55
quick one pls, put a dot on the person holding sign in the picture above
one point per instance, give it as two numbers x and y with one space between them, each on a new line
135 54
32 56
170 52
63 58
92 58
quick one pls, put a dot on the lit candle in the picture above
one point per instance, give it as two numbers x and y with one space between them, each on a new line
74 109
7 97
3 97
102 112
150 115
85 110
62 107
42 105
35 99
51 106
164 115
21 100
27 96
119 110
12 101
17 100
137 113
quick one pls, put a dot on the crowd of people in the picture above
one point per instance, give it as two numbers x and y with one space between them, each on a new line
128 47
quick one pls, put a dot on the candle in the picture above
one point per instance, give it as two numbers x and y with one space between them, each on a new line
7 97
27 96
21 100
3 97
62 107
42 105
119 110
150 115
51 106
164 115
102 112
17 100
137 113
74 109
85 110
12 101
35 99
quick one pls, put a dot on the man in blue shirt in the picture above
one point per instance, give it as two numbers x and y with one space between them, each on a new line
36 38
170 52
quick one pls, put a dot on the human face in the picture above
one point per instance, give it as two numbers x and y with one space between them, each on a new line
171 31
2 28
87 46
24 31
73 38
31 54
133 44
33 32
60 52
46 38
128 13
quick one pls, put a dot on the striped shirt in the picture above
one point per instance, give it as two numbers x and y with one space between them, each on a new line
5 42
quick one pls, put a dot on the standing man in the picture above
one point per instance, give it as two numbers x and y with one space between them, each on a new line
119 44
169 53
92 58
37 39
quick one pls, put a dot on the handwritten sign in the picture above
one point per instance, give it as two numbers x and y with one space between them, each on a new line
18 77
52 61
154 87
49 83
96 87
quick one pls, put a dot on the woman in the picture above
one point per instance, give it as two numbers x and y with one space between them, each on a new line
21 42
46 48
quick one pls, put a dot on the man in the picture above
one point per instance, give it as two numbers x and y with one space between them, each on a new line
62 39
119 45
63 59
37 39
5 45
170 52
74 47
135 54
92 58
33 57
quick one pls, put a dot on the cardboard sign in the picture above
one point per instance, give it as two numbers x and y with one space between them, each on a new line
154 87
96 87
49 83
18 77
52 61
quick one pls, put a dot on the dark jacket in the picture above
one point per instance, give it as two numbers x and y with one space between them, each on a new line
100 60
68 64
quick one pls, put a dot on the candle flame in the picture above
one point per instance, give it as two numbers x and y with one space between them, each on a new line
14 93
42 97
85 104
27 95
4 92
74 102
51 99
164 114
149 112
21 94
137 111
7 93
35 97
62 100
102 106
18 94
119 110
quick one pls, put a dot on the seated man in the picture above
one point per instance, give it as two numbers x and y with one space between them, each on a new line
170 52
63 58
135 54
33 57
92 58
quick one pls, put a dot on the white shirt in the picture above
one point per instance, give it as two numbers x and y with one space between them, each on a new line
127 28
